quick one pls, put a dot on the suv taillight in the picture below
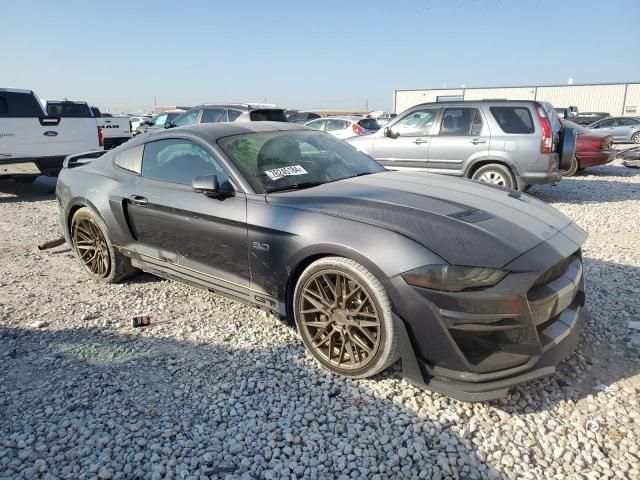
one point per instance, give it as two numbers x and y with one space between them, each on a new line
357 129
547 135
130 126
100 137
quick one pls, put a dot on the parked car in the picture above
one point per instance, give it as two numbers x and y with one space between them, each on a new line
593 148
345 127
587 118
302 117
117 130
33 142
231 112
566 112
622 129
476 289
158 122
508 143
136 121
384 119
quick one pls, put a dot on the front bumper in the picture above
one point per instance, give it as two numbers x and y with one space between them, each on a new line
475 345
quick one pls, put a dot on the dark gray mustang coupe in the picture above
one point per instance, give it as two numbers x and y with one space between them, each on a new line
476 288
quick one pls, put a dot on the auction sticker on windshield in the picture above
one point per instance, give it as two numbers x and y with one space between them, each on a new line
278 173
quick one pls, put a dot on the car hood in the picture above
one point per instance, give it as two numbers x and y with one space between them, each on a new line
464 222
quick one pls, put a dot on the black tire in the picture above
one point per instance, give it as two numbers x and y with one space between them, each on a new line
571 171
495 174
567 148
635 138
116 266
385 337
30 179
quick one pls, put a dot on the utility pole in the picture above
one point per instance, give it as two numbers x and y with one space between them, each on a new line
367 107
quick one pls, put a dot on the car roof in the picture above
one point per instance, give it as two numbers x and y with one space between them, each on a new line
247 106
211 132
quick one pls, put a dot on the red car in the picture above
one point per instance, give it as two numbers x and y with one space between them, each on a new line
592 149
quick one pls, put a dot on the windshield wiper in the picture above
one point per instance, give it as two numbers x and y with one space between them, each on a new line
297 186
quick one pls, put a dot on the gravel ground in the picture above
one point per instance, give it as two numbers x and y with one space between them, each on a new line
218 389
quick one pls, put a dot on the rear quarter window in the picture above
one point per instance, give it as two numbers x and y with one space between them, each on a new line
513 119
130 159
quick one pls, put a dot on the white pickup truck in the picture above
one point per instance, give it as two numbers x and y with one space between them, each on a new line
33 143
116 130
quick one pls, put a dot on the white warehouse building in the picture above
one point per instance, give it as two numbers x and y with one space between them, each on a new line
613 98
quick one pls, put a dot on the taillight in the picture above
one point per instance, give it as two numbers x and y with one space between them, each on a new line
547 135
357 129
100 137
599 143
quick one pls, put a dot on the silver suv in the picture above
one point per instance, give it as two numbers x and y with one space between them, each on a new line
229 112
504 142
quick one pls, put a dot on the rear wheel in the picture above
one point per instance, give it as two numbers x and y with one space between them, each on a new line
635 138
573 168
495 174
344 317
100 259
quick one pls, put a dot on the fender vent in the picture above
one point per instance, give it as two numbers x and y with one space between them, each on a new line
471 216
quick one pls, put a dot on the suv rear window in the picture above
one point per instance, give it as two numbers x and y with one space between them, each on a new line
513 119
15 104
69 109
268 115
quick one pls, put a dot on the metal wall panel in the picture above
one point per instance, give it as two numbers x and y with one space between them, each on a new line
511 93
588 98
408 98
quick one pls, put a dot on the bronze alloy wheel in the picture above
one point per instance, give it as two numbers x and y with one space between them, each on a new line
339 320
91 247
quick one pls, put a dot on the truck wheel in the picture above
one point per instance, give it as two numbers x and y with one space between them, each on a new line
100 259
496 174
343 315
575 166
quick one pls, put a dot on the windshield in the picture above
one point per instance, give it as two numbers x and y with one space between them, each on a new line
274 161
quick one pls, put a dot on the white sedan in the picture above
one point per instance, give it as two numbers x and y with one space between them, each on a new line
345 127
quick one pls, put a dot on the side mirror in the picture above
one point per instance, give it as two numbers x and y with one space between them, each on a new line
209 186
169 125
390 133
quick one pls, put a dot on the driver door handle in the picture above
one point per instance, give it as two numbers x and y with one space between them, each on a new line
476 141
418 141
138 200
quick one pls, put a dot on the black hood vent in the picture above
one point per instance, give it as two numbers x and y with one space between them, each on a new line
471 216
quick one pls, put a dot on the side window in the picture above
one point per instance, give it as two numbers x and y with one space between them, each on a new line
179 161
13 104
333 125
213 115
461 121
130 159
627 122
160 120
417 123
605 123
188 118
233 114
513 119
318 125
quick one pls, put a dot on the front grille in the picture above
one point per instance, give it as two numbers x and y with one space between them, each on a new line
553 273
476 346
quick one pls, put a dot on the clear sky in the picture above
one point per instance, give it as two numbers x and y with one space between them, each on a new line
119 55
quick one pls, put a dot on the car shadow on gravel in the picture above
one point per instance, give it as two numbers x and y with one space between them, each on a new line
14 192
606 360
136 403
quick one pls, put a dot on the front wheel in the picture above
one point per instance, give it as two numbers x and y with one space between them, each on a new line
573 168
495 174
635 138
344 317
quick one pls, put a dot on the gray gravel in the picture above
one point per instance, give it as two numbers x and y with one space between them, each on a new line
218 389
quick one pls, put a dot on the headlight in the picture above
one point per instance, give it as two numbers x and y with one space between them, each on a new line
452 278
